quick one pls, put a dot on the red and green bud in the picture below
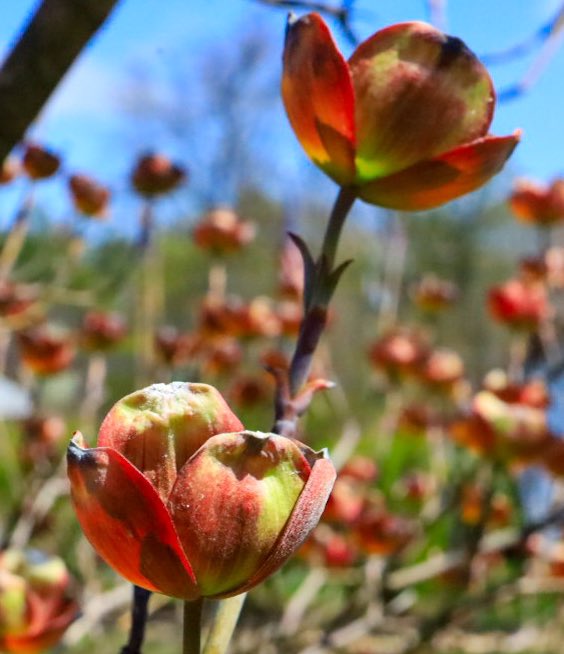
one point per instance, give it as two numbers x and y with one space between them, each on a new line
160 427
404 122
212 522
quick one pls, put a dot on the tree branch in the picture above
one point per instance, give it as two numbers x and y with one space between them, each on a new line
51 41
342 13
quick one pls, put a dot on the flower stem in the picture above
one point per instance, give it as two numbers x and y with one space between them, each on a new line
315 316
17 234
138 621
224 620
192 626
341 208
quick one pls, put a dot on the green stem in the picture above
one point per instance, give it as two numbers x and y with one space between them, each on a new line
340 211
192 626
224 621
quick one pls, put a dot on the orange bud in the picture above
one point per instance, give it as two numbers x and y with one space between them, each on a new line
39 163
45 349
222 231
101 331
538 204
155 174
404 122
89 197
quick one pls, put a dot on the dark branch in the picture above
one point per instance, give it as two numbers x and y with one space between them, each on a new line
51 41
342 13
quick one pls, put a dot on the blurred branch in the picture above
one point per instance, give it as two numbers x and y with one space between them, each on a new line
52 39
504 540
524 47
342 13
436 9
550 37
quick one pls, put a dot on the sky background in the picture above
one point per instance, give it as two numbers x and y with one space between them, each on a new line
85 119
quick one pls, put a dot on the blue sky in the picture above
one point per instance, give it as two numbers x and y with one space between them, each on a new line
85 117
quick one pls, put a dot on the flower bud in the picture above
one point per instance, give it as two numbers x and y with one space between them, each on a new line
155 175
45 349
101 331
40 163
222 231
214 522
159 427
35 604
89 197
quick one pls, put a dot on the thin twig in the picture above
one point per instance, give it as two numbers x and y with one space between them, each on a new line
342 13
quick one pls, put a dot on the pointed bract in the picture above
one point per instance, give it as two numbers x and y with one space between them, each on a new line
318 95
231 502
126 522
435 181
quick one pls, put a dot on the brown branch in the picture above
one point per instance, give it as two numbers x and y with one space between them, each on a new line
50 42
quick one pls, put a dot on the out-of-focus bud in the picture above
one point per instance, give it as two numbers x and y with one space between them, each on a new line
39 163
155 174
416 419
398 353
330 548
9 170
221 231
89 197
101 331
220 356
442 369
533 392
509 432
41 436
172 347
251 390
233 317
380 532
433 294
518 305
36 603
16 298
346 502
538 204
274 360
360 468
46 349
415 487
